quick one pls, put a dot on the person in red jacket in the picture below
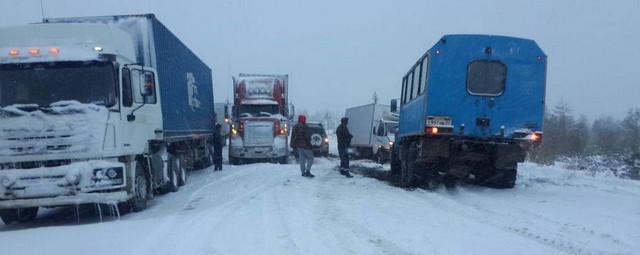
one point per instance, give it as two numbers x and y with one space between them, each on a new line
301 141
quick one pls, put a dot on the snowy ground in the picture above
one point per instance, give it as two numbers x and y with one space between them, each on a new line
270 209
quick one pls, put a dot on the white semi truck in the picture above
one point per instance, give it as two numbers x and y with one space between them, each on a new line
104 109
373 127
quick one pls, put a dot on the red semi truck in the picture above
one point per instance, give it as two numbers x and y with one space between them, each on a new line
260 119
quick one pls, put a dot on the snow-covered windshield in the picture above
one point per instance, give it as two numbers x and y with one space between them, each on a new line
45 83
258 110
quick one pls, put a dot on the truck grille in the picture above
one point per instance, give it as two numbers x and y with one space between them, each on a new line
258 134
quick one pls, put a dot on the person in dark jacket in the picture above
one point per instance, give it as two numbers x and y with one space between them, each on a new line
301 141
218 142
344 141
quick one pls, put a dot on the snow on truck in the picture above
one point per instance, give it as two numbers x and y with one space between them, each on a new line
470 109
373 127
98 110
260 120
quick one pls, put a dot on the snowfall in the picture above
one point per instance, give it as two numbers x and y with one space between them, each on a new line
271 209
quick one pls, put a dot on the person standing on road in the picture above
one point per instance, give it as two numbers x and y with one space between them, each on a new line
218 142
301 141
344 141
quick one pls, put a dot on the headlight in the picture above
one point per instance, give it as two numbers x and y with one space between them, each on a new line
390 143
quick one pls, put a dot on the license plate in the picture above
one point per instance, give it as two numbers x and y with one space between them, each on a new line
438 121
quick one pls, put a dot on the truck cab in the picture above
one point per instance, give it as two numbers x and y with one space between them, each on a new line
260 127
88 113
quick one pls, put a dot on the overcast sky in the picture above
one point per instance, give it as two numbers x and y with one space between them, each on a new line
338 52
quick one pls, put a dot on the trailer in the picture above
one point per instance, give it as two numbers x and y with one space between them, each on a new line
373 127
108 109
470 109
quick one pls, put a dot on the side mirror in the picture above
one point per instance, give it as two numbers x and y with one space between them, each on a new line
394 105
131 117
149 85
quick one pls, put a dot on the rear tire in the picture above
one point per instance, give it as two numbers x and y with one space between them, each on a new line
18 215
182 171
507 180
172 172
141 190
408 173
234 160
283 160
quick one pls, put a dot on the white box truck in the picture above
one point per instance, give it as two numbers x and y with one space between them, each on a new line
373 127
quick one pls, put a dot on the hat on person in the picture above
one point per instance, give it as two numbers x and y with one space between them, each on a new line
302 119
344 120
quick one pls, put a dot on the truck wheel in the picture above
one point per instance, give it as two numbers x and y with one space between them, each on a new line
140 189
381 157
283 160
233 160
507 179
182 171
395 164
408 176
21 215
172 171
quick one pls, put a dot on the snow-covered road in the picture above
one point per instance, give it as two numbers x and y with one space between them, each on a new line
270 209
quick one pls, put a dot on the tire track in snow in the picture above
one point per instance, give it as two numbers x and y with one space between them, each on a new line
335 217
450 205
566 226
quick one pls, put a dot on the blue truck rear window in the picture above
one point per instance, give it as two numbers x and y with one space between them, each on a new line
486 78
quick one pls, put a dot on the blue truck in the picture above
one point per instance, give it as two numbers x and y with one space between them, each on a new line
470 109
108 109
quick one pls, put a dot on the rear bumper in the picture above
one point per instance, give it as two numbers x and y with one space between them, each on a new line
463 149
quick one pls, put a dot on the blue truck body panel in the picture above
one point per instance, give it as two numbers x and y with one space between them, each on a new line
178 68
185 81
519 106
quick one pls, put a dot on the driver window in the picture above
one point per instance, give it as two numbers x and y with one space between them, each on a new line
127 99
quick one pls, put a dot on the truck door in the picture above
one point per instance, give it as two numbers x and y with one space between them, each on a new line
486 82
141 112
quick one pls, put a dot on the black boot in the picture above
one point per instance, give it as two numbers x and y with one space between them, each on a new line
310 175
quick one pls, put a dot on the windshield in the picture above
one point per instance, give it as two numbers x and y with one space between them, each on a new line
392 128
257 110
43 84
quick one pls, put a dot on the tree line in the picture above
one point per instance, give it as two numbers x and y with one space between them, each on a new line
569 136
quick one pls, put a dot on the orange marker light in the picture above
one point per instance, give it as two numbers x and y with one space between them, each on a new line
434 130
54 51
34 51
14 52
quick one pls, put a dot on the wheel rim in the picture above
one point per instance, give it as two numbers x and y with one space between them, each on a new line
183 174
141 188
174 178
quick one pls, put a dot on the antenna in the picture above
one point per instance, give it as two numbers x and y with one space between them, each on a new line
42 11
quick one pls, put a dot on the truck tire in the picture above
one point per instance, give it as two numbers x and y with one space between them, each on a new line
172 171
408 174
395 165
140 190
506 179
18 215
182 170
381 157
234 160
283 160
